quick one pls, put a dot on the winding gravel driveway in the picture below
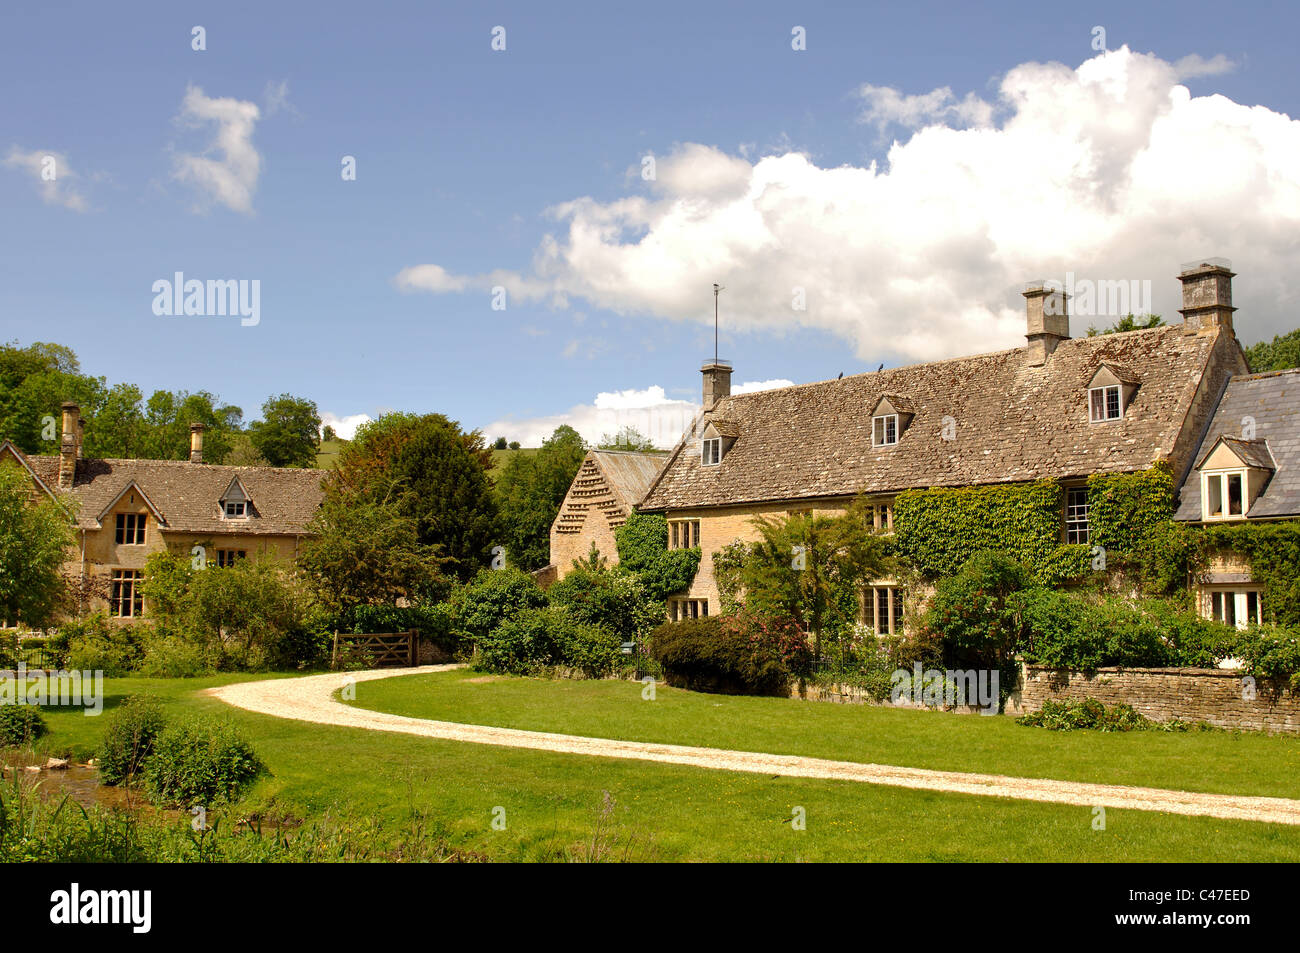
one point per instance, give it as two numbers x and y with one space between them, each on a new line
311 699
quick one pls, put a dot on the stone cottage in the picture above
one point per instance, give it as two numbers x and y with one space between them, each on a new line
606 488
1059 407
127 509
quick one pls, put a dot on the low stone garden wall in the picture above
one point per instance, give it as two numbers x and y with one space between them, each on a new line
853 695
1218 696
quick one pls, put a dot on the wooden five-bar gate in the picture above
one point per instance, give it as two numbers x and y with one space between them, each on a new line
377 649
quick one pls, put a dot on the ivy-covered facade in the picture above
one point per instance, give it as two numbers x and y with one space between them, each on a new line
1072 454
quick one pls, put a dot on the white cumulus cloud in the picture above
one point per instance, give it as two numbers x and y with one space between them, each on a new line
649 410
226 172
1112 170
345 427
53 174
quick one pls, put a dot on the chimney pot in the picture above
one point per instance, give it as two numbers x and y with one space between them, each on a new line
1047 320
196 442
1207 295
717 382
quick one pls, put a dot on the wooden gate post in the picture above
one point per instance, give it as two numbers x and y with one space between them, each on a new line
414 652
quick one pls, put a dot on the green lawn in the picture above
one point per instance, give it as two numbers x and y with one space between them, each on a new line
1221 762
358 778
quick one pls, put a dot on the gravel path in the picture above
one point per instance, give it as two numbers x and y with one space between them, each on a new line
310 699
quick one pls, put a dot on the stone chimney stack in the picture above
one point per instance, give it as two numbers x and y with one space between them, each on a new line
1047 321
1207 295
196 443
717 382
69 444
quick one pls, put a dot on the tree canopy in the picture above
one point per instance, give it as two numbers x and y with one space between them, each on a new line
529 492
34 540
1276 355
626 438
288 435
434 474
1130 322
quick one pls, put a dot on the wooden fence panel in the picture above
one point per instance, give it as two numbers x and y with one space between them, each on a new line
377 649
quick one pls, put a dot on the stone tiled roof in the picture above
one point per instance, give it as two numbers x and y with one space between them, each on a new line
187 494
629 474
1273 400
1010 421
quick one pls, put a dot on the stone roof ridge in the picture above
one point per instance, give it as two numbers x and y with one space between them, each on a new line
1096 340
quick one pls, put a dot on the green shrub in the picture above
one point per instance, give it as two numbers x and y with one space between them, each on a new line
95 644
199 762
612 599
492 597
1082 632
129 738
975 611
1271 654
538 640
20 725
739 654
172 657
862 659
1091 714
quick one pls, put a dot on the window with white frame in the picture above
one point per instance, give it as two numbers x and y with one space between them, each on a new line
884 430
711 451
882 516
1076 514
1105 403
235 509
1239 608
1223 495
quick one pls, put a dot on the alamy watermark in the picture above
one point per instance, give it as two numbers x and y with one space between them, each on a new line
214 297
77 688
934 688
1101 298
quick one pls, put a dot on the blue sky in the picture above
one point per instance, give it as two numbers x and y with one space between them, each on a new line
464 153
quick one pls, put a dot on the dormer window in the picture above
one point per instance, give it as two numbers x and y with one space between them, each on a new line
235 503
1110 392
889 418
1105 403
1233 474
717 439
884 430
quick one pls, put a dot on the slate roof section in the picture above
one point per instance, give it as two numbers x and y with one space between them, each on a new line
187 494
1273 399
1013 421
1253 453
